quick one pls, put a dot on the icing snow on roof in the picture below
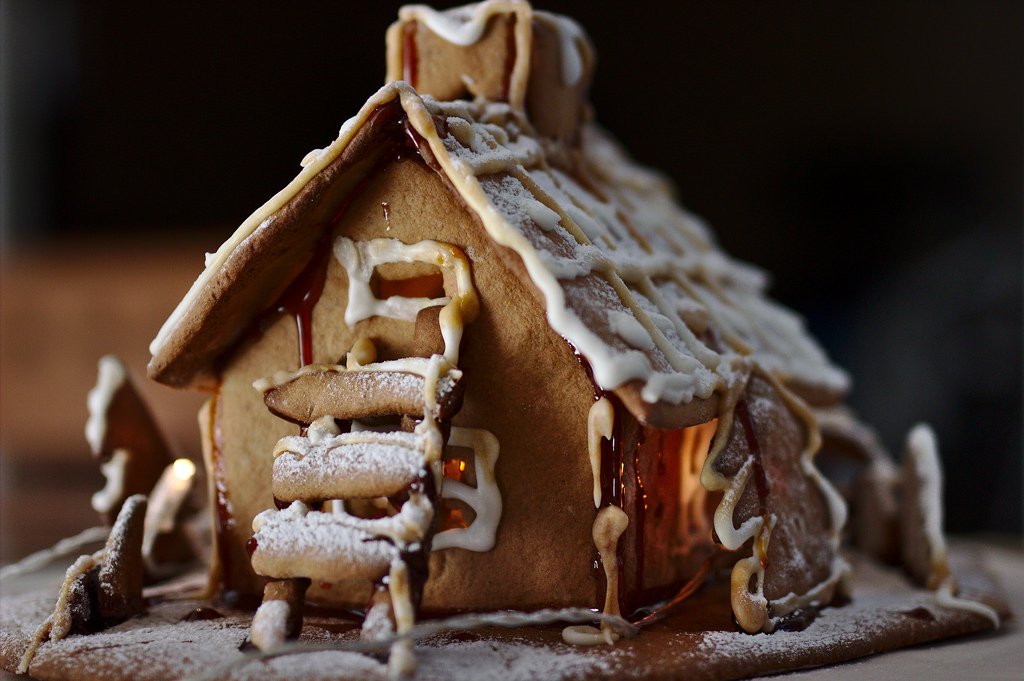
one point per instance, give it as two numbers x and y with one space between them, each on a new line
621 266
632 280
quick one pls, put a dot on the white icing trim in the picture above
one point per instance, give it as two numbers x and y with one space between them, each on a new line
506 207
112 376
751 608
359 260
113 470
462 26
600 420
923 453
484 499
946 597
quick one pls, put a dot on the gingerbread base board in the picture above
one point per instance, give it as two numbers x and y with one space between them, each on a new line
700 641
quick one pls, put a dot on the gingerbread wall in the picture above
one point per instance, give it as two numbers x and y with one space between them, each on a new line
522 383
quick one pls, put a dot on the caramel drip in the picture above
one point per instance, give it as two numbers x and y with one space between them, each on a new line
302 295
639 515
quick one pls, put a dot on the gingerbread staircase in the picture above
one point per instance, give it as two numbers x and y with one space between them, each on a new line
382 484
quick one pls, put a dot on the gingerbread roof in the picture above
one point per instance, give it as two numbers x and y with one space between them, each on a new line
632 280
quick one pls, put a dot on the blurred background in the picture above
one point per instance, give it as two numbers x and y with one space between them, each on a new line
868 154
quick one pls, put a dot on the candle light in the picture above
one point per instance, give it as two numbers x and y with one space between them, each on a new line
165 501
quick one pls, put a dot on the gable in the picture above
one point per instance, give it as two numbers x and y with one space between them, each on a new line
632 281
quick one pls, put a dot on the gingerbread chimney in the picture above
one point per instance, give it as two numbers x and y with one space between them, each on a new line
497 50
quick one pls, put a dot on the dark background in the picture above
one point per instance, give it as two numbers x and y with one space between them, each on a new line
868 154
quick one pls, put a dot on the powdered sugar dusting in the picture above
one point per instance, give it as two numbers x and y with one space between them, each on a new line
485 660
886 612
292 543
350 465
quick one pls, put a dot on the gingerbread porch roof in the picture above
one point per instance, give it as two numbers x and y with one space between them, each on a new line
634 282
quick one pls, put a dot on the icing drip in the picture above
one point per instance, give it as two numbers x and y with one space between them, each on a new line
112 376
600 419
747 582
484 499
609 525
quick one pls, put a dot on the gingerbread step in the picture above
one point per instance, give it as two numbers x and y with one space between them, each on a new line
347 466
382 389
296 542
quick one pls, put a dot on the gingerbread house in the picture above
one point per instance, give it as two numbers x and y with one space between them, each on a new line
481 359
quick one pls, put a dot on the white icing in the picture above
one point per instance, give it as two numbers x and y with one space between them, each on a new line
626 327
751 608
112 376
484 499
947 598
600 420
359 260
609 524
113 471
657 243
586 635
311 157
363 464
923 452
460 25
569 35
405 528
